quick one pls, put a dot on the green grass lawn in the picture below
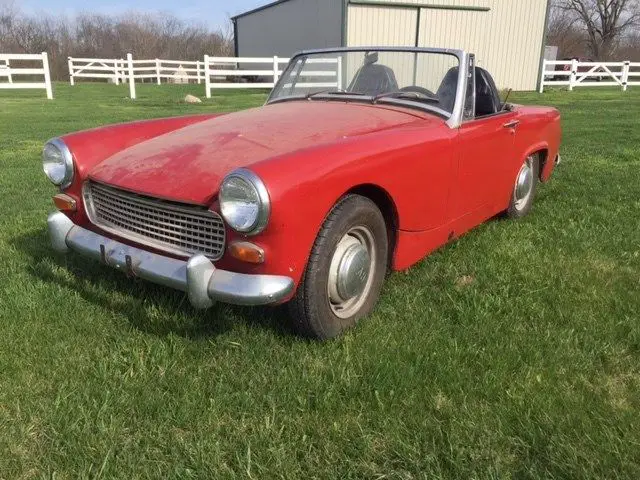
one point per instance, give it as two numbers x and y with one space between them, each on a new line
513 352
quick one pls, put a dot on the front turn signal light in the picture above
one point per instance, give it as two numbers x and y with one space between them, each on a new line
65 202
246 252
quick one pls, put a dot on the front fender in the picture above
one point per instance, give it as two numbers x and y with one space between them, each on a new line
413 165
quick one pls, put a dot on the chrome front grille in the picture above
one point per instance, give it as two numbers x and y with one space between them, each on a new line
177 228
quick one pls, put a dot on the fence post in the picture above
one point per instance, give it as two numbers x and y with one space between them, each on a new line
198 70
544 69
625 75
158 72
116 72
47 75
276 70
70 64
574 73
207 78
339 73
132 85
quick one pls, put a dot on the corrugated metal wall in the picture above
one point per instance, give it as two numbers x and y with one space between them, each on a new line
290 27
399 26
391 27
506 39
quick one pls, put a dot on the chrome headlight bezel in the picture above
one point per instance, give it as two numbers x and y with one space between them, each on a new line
66 163
254 182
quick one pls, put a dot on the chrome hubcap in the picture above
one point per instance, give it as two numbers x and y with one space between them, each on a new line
350 271
353 271
524 184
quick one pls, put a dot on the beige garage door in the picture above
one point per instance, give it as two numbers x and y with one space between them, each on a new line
388 27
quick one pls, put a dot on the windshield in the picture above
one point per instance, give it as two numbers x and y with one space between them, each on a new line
413 78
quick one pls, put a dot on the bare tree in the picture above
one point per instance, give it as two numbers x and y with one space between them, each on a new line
605 21
146 35
565 32
8 15
630 47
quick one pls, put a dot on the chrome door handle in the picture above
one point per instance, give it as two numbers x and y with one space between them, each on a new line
512 124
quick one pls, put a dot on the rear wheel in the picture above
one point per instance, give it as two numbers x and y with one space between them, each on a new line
345 272
524 189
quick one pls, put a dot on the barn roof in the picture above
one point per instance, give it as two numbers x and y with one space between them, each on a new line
263 7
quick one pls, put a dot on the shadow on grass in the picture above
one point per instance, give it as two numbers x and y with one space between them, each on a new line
148 307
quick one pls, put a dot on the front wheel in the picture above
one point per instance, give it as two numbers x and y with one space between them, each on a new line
345 272
524 188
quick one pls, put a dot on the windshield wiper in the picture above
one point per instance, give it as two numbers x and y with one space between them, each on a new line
331 92
412 95
308 96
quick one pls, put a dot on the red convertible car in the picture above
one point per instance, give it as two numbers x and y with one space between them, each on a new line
361 160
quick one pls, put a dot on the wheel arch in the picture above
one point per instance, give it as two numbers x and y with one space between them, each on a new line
543 158
385 203
542 152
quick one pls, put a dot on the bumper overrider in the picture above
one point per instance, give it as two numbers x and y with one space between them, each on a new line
197 276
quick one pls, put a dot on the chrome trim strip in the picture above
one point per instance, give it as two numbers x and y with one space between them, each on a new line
198 277
150 201
114 199
452 51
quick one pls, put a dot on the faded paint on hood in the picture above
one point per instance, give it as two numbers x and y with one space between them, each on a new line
188 164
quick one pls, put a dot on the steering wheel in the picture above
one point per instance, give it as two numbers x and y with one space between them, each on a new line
417 89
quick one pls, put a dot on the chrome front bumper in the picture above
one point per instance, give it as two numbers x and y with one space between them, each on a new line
198 277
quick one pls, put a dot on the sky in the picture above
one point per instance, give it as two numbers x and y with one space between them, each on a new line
213 13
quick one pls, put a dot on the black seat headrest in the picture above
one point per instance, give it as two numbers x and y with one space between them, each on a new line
447 90
373 80
371 58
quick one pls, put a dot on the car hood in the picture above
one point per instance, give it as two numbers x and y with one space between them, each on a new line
188 164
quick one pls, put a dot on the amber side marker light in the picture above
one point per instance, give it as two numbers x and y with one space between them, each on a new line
246 252
65 202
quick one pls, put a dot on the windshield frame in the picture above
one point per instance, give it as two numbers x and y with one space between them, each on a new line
454 119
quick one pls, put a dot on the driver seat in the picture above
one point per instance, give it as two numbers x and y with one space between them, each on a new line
487 98
373 79
447 90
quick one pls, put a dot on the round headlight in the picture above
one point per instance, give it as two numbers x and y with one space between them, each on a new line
57 163
244 202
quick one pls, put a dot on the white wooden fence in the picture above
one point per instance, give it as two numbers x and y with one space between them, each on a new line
216 72
12 73
572 74
219 69
117 70
120 70
5 70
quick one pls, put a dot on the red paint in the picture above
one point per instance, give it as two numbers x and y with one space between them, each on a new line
190 163
442 181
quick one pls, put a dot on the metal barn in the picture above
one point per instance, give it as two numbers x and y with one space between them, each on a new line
507 36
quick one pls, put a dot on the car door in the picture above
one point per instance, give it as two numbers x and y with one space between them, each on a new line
485 145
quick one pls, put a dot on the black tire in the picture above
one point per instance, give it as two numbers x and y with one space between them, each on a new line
311 308
517 207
